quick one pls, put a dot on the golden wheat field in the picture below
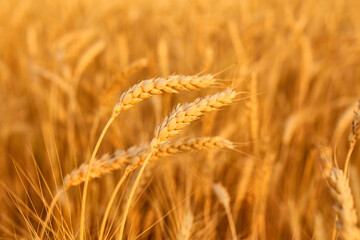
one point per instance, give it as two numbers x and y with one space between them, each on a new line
179 119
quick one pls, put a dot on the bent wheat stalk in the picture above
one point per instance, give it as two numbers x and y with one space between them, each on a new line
135 94
180 117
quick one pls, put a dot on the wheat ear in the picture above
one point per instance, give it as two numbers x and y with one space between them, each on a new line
344 205
109 163
157 86
179 118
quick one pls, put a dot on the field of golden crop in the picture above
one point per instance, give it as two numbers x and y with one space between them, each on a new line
263 143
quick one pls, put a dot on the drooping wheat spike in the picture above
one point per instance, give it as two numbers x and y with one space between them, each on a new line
106 164
344 205
179 118
157 86
194 144
181 146
109 163
353 137
224 199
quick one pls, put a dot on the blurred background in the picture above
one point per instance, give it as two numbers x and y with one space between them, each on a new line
65 63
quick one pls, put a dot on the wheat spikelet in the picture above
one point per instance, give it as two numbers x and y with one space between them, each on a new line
344 205
109 163
157 86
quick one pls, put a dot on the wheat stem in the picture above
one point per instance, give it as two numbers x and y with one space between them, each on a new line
83 202
131 195
50 211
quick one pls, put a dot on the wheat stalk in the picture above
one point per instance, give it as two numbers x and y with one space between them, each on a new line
179 118
344 205
135 94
